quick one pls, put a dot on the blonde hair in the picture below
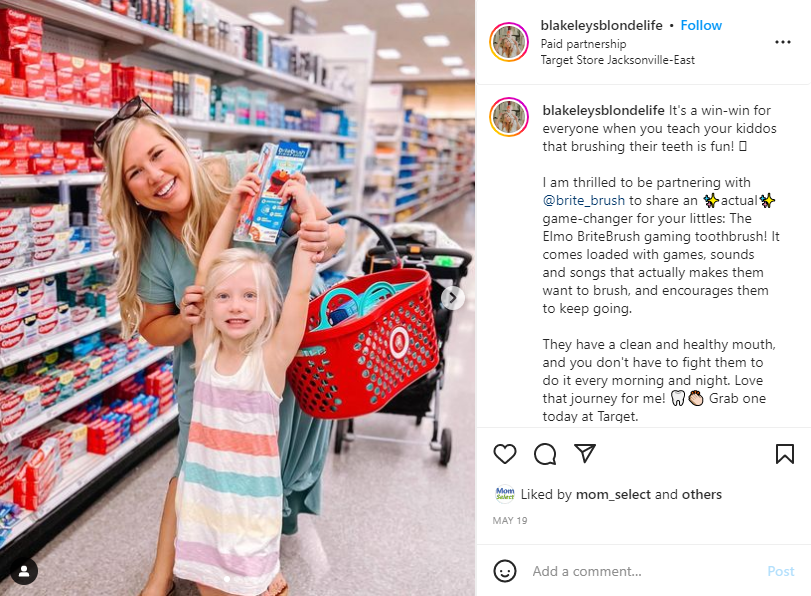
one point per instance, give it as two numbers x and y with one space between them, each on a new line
267 289
130 221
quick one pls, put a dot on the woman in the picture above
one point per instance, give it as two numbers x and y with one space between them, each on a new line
163 205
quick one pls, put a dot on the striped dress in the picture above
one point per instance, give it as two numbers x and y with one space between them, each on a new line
229 493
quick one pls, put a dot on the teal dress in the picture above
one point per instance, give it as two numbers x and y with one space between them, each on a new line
303 441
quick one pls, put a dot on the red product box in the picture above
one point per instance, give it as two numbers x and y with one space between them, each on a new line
13 167
6 68
14 18
12 86
96 164
41 257
9 248
10 132
10 232
92 81
12 335
64 77
65 94
29 72
66 150
26 56
36 90
47 166
62 62
91 67
50 94
40 149
92 97
13 149
47 62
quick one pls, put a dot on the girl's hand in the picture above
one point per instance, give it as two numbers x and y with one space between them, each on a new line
247 188
191 305
314 237
298 193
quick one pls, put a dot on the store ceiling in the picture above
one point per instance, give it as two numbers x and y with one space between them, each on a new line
452 18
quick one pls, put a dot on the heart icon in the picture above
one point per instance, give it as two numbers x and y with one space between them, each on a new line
504 453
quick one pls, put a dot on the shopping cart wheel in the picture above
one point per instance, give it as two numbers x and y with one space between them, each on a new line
445 451
340 431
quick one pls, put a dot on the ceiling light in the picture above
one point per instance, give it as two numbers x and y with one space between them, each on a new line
452 61
268 19
413 10
436 41
409 70
460 72
388 54
357 29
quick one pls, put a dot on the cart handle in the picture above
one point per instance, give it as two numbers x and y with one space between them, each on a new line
381 235
424 251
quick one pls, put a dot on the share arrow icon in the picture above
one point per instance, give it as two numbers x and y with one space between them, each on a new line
585 450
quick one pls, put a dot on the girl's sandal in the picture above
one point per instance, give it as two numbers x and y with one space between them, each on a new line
279 591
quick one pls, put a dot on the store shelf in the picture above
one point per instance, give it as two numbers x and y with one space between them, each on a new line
18 182
78 473
420 142
22 275
110 25
410 166
32 107
411 179
396 209
458 194
345 167
339 202
408 126
59 339
387 139
410 191
85 394
332 262
387 155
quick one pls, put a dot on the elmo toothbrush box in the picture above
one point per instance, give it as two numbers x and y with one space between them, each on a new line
269 214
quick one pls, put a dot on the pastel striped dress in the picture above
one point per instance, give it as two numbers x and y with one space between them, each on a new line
229 493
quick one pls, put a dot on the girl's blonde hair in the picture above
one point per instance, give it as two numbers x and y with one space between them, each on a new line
130 221
267 289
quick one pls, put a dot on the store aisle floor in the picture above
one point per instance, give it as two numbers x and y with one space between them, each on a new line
395 522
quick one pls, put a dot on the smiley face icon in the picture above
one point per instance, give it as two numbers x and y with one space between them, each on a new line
505 571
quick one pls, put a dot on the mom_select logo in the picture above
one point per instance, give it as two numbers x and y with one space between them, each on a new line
505 493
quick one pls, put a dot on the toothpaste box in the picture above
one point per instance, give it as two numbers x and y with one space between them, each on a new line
15 334
13 215
15 301
43 292
14 231
243 228
49 255
14 263
49 240
269 213
14 247
50 218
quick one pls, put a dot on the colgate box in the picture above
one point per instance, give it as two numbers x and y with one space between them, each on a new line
40 148
13 167
14 302
35 90
47 165
69 150
13 231
77 166
53 320
10 465
11 248
24 55
50 218
48 240
12 86
43 292
14 18
16 334
8 264
6 68
10 215
14 149
42 257
15 132
18 402
36 479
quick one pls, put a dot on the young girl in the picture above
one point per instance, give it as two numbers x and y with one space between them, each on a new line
229 495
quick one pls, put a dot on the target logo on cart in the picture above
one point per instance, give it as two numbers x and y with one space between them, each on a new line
398 342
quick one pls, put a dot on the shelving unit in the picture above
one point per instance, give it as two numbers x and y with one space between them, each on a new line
418 166
83 29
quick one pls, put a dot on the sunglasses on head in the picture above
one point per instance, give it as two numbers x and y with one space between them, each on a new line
127 111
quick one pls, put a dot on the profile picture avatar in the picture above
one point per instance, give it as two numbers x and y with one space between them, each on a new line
509 117
509 42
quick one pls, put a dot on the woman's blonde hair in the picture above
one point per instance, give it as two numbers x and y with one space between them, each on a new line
130 221
267 290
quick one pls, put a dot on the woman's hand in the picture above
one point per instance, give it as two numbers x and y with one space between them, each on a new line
247 188
191 306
